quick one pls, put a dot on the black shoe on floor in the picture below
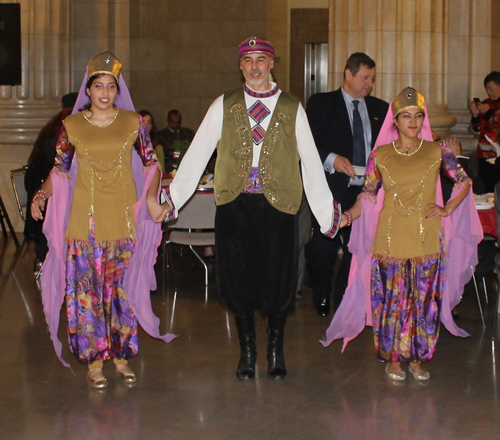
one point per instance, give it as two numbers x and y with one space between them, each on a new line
322 307
246 334
276 332
246 366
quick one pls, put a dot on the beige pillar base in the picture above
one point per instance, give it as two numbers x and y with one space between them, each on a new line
20 123
441 120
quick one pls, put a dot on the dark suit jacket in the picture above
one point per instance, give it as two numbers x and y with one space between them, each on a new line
167 138
329 121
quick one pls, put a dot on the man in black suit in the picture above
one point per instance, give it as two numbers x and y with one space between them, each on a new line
171 135
345 125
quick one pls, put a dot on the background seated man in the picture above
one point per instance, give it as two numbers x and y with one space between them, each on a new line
175 140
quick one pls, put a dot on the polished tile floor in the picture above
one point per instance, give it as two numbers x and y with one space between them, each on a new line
187 389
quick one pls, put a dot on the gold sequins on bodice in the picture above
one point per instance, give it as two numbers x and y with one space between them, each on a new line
104 186
409 182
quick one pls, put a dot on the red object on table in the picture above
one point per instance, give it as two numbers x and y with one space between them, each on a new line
488 219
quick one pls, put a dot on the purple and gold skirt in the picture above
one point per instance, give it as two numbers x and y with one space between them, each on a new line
101 323
406 307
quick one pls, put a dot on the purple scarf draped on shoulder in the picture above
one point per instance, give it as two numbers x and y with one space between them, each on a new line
462 233
139 276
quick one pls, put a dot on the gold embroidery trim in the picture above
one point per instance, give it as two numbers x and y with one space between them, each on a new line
401 201
115 166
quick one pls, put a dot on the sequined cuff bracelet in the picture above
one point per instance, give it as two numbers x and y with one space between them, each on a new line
40 194
349 217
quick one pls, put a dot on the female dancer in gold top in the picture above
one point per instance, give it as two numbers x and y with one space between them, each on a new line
100 235
408 250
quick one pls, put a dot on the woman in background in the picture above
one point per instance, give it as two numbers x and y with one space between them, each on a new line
148 119
40 164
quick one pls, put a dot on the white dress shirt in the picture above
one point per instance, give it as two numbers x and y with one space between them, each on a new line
208 135
367 129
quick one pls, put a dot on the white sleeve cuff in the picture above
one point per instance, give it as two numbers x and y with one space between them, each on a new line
328 163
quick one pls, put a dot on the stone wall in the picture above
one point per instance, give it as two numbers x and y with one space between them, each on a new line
184 54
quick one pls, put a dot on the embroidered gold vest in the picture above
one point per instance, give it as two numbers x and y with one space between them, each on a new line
279 169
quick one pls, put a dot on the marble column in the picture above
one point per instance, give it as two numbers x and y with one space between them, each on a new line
46 67
407 39
99 26
46 74
472 55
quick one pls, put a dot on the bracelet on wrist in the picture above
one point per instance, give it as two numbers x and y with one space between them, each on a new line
349 217
40 194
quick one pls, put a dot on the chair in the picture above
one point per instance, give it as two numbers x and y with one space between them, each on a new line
478 298
17 179
21 196
193 227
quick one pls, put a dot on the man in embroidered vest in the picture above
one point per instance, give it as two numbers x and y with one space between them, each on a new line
265 155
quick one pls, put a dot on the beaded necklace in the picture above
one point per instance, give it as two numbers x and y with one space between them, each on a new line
407 154
102 126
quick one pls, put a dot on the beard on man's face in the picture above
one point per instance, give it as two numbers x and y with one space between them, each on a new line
255 82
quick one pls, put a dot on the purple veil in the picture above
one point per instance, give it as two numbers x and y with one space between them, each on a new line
139 277
123 99
462 233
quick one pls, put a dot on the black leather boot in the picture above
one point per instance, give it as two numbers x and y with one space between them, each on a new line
246 333
276 362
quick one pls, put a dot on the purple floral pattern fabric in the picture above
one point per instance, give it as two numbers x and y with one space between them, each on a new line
101 323
144 146
253 185
406 307
450 166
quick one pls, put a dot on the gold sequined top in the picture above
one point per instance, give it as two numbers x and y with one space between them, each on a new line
104 191
409 183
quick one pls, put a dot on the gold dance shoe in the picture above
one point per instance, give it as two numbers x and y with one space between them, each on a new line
425 375
395 376
129 377
98 383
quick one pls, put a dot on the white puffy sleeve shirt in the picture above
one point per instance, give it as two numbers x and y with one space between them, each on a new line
208 135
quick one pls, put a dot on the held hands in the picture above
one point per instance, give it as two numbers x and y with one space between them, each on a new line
343 165
157 212
434 211
346 219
